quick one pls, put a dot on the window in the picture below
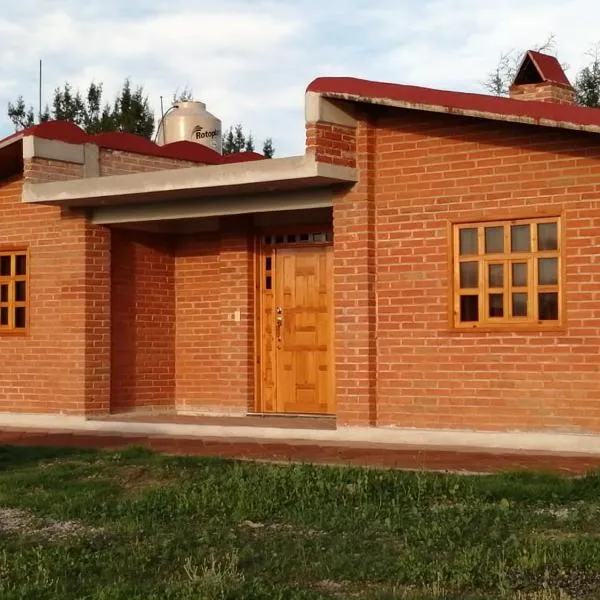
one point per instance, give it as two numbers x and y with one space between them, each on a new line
508 274
14 292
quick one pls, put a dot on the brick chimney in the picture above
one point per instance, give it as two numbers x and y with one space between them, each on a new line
540 77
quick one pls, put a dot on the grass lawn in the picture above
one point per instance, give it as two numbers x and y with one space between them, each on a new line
137 525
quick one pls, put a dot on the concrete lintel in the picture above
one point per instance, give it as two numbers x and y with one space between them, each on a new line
36 147
193 182
211 207
319 109
524 119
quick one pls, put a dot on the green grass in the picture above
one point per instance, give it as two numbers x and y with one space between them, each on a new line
136 525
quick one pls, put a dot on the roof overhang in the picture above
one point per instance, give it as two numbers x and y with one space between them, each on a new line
11 156
266 176
456 103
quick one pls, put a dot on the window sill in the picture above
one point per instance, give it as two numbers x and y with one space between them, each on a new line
509 328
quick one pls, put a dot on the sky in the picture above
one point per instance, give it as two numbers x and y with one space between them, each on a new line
251 60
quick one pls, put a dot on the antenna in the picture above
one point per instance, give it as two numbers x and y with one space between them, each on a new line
162 120
40 94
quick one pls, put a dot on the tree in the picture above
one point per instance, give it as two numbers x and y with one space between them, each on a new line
268 149
235 140
21 116
130 111
587 82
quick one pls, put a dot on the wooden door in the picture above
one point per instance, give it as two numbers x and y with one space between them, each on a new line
297 331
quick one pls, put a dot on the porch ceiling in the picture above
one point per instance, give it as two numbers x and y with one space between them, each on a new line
195 183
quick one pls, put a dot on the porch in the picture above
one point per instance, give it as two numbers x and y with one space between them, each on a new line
221 287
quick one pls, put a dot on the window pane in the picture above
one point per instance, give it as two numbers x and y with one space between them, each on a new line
548 306
4 292
20 292
547 236
4 265
469 308
520 236
268 262
21 264
519 305
468 241
20 317
469 274
496 305
4 315
268 283
519 274
496 276
547 271
494 239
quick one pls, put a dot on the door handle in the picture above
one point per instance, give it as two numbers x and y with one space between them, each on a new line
278 322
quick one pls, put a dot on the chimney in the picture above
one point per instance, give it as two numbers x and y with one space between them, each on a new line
540 77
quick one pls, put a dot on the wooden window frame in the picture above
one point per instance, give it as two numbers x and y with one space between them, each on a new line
11 280
507 258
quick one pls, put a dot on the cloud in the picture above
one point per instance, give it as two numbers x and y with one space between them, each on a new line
251 61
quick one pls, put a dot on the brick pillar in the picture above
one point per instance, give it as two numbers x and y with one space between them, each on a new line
237 315
84 316
97 320
354 291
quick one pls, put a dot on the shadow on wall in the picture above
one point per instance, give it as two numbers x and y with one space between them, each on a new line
142 321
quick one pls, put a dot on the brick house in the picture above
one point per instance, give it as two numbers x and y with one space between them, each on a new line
432 261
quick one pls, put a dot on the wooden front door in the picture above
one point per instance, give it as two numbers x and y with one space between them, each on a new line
296 328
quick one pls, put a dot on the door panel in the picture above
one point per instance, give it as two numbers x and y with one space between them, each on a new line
297 332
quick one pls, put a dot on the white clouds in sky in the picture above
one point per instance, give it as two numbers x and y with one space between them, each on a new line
250 61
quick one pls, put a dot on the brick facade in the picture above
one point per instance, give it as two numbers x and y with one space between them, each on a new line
61 363
432 170
129 320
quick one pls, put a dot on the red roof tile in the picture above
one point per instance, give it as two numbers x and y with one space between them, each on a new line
480 105
64 131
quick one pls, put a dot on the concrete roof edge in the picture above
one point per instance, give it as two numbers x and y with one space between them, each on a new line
189 178
524 119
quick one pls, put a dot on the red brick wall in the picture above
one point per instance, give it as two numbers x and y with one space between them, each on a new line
434 169
143 321
214 274
61 363
354 290
41 170
198 309
117 162
547 91
335 144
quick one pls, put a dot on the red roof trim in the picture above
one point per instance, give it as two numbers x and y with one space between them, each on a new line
419 98
64 131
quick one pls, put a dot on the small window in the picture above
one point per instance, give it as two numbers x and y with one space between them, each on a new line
14 295
508 273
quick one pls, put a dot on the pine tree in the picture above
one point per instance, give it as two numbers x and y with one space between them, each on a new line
235 140
130 111
268 149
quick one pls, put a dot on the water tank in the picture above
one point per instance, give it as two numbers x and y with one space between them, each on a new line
190 121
